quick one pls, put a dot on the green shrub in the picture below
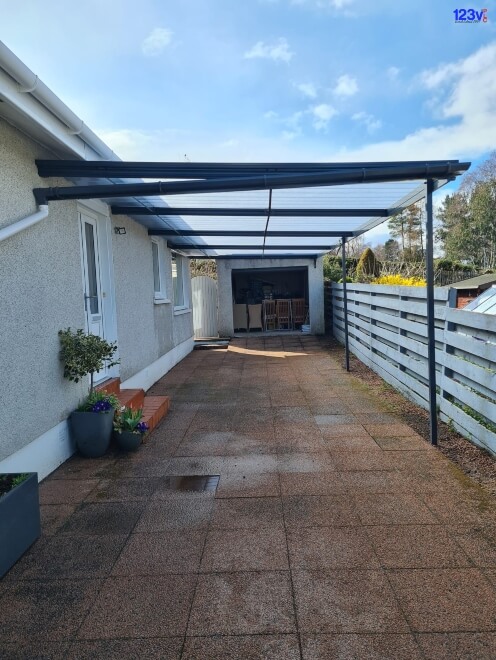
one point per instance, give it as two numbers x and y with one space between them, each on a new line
84 354
443 264
368 267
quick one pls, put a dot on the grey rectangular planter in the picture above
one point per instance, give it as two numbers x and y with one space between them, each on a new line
19 521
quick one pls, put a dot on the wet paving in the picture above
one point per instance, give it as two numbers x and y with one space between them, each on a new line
280 511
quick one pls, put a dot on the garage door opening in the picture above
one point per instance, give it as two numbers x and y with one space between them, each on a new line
270 300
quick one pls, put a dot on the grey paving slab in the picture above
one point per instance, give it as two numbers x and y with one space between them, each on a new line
335 531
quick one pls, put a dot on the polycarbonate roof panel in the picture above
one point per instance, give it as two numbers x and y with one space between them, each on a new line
485 303
358 196
385 198
365 195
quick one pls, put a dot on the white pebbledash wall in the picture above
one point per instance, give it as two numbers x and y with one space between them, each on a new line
315 288
41 292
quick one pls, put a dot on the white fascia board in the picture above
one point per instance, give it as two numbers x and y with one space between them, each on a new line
29 115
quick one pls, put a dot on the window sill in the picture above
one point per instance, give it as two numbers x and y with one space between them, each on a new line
182 310
161 301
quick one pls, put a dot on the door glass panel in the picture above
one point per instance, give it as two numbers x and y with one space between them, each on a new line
91 260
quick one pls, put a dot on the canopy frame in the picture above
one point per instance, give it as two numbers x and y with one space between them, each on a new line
200 178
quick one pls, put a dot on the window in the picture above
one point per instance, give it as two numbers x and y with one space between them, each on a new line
180 299
158 273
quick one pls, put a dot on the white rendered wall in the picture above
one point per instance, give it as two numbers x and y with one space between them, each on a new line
41 292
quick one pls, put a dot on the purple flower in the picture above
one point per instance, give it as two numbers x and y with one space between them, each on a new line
142 427
101 406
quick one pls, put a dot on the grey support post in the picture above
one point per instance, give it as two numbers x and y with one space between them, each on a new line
431 328
345 304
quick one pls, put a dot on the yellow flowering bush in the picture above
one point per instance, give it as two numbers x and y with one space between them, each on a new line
399 280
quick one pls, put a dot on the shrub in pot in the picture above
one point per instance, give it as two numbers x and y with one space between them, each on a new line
129 429
19 516
91 423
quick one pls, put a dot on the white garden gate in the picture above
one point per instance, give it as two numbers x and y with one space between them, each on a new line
205 307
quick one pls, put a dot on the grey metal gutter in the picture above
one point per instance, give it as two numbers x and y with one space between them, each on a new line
262 182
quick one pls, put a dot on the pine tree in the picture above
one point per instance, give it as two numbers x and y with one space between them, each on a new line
467 219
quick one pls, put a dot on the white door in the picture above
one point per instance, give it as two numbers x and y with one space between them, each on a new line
205 307
92 276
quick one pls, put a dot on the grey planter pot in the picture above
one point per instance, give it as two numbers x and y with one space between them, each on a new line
128 441
19 521
92 432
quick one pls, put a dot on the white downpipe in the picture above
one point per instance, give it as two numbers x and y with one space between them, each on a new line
29 221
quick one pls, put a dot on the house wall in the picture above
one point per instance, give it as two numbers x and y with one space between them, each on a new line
41 292
315 288
146 330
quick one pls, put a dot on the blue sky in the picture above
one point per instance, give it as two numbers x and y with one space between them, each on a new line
267 79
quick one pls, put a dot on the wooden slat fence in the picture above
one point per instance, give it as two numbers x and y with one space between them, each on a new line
388 332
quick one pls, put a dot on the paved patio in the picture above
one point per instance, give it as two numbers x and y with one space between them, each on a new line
334 532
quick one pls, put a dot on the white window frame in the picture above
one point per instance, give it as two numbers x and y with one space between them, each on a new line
160 296
181 263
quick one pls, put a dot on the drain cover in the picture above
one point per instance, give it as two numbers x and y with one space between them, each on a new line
196 483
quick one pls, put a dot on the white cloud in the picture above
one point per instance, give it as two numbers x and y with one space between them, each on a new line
156 42
229 144
277 51
345 86
307 89
371 123
293 123
435 78
338 4
323 113
136 144
393 73
325 4
467 94
270 114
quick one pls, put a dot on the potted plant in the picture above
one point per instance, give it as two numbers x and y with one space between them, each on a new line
19 516
129 429
91 423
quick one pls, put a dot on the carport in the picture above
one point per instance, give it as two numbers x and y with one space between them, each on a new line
263 210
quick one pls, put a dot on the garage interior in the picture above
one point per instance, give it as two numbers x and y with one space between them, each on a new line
254 288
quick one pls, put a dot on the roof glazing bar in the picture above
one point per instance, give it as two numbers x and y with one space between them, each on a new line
324 248
243 232
247 212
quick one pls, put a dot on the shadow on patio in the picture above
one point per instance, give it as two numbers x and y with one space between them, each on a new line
335 531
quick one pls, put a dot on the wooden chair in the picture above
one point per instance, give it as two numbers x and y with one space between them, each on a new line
298 310
283 312
269 314
254 317
240 318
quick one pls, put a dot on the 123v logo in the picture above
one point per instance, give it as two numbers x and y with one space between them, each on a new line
470 16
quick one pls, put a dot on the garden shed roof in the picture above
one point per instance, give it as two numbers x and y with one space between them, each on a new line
475 282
